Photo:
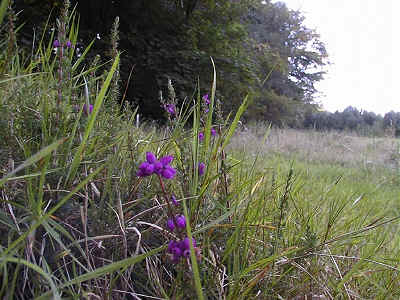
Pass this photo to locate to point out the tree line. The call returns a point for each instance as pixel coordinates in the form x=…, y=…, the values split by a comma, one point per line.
x=260, y=48
x=352, y=119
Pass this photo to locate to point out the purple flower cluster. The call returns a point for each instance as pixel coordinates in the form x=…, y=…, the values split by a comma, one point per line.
x=179, y=249
x=202, y=168
x=206, y=103
x=57, y=44
x=170, y=108
x=213, y=133
x=206, y=100
x=86, y=110
x=180, y=222
x=173, y=200
x=160, y=167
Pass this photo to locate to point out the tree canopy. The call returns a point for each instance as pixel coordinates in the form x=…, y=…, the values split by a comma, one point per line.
x=259, y=47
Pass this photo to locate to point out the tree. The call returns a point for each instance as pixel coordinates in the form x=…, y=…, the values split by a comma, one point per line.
x=293, y=52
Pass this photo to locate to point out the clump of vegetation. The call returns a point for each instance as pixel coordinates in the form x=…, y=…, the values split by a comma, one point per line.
x=94, y=207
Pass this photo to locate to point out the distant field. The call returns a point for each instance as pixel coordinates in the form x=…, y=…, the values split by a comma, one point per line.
x=328, y=147
x=342, y=184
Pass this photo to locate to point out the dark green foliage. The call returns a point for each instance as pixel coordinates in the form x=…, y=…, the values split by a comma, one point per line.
x=364, y=122
x=175, y=39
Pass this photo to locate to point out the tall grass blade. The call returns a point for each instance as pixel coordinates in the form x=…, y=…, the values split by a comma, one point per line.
x=235, y=122
x=3, y=9
x=99, y=100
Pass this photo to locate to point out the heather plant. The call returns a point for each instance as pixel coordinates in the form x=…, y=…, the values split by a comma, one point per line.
x=94, y=207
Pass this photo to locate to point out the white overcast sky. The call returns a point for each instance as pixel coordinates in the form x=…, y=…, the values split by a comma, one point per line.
x=363, y=42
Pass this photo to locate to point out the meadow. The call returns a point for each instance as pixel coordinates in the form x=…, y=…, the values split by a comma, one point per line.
x=96, y=206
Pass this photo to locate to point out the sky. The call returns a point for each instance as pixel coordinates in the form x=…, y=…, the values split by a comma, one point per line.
x=363, y=42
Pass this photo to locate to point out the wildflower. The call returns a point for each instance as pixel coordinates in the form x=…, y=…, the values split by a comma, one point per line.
x=163, y=168
x=56, y=44
x=170, y=108
x=145, y=169
x=150, y=157
x=201, y=136
x=172, y=244
x=202, y=167
x=182, y=249
x=152, y=165
x=180, y=221
x=213, y=132
x=185, y=246
x=170, y=224
x=173, y=200
x=206, y=100
x=69, y=45
x=88, y=111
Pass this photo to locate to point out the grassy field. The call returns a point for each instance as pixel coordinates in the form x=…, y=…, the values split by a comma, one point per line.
x=95, y=207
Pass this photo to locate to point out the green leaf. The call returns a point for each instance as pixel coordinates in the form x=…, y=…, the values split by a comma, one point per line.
x=3, y=9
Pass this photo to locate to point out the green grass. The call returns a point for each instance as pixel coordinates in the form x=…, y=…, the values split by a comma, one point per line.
x=277, y=214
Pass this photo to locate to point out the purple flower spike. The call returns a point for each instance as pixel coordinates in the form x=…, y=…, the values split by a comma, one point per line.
x=170, y=224
x=180, y=221
x=213, y=132
x=173, y=200
x=150, y=157
x=145, y=169
x=56, y=44
x=202, y=167
x=68, y=44
x=201, y=136
x=206, y=100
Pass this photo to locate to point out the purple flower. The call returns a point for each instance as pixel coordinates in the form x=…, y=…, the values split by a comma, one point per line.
x=152, y=165
x=166, y=160
x=170, y=108
x=180, y=221
x=173, y=200
x=185, y=243
x=68, y=44
x=170, y=224
x=181, y=249
x=201, y=136
x=168, y=172
x=88, y=111
x=171, y=245
x=176, y=254
x=145, y=169
x=185, y=246
x=213, y=132
x=56, y=44
x=206, y=100
x=150, y=157
x=202, y=167
x=163, y=168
